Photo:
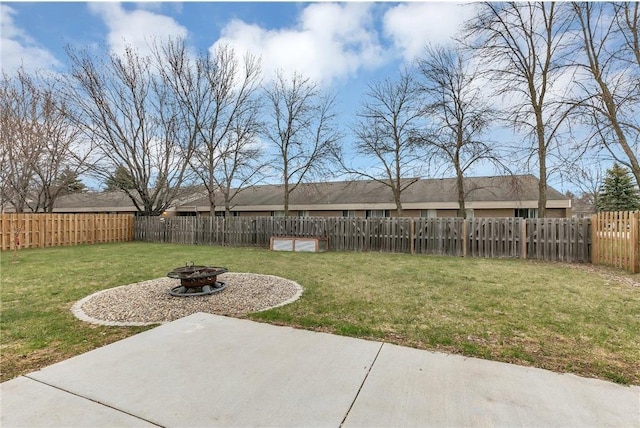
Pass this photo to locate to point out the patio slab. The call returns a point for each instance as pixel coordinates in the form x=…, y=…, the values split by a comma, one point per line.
x=29, y=403
x=208, y=370
x=205, y=370
x=413, y=388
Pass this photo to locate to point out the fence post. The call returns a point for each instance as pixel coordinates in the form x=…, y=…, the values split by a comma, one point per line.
x=412, y=235
x=595, y=227
x=523, y=238
x=465, y=235
x=634, y=241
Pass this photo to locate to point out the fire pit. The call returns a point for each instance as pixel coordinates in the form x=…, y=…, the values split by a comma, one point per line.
x=197, y=280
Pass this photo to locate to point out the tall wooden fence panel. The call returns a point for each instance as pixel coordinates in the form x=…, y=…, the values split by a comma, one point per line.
x=51, y=230
x=616, y=239
x=544, y=239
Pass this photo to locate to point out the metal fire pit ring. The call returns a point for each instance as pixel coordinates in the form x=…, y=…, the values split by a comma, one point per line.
x=197, y=280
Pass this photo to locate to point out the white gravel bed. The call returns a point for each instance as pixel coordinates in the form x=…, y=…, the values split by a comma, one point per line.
x=149, y=302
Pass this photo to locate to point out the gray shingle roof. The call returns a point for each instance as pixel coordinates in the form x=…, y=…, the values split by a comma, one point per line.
x=114, y=200
x=499, y=188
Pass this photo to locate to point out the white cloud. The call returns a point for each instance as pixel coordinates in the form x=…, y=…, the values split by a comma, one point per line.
x=413, y=25
x=137, y=28
x=18, y=48
x=329, y=41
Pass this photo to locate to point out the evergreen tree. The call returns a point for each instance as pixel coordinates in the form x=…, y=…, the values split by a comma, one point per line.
x=69, y=182
x=618, y=192
x=121, y=179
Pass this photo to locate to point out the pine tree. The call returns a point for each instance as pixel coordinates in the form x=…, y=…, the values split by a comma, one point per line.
x=120, y=180
x=69, y=182
x=618, y=192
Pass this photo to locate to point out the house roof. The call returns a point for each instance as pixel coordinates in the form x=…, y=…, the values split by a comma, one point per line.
x=115, y=200
x=419, y=193
x=482, y=192
x=94, y=201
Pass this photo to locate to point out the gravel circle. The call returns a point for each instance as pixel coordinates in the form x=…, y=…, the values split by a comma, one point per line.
x=149, y=302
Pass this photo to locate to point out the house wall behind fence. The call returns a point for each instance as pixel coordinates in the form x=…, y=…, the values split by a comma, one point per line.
x=561, y=239
x=51, y=230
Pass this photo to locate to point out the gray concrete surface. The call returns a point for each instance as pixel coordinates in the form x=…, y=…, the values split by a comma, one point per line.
x=28, y=403
x=207, y=370
x=424, y=388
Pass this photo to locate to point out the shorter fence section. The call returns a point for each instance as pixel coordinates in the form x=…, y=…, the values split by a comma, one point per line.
x=616, y=240
x=557, y=239
x=444, y=236
x=51, y=230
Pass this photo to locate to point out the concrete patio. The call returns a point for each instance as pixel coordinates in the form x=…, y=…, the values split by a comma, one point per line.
x=208, y=370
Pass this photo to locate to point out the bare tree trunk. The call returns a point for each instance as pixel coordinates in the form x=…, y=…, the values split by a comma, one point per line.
x=542, y=161
x=286, y=199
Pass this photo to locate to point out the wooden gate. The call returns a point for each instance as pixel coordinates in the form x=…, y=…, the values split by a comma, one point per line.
x=616, y=239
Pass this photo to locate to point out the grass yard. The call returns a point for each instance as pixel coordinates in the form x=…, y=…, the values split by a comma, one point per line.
x=555, y=316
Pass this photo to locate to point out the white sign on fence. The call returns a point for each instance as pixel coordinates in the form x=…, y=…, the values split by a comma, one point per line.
x=307, y=245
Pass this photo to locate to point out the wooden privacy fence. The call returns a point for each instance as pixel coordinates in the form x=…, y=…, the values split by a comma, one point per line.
x=616, y=239
x=50, y=230
x=545, y=239
x=555, y=239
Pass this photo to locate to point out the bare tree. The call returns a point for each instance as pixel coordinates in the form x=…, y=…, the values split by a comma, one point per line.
x=587, y=176
x=19, y=143
x=63, y=157
x=522, y=49
x=610, y=103
x=458, y=112
x=301, y=127
x=217, y=95
x=388, y=121
x=240, y=163
x=134, y=122
x=38, y=142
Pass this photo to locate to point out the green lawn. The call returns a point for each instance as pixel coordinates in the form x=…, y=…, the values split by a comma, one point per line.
x=546, y=315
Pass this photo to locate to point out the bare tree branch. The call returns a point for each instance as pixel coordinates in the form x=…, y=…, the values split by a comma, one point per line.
x=217, y=95
x=132, y=118
x=458, y=113
x=522, y=47
x=610, y=103
x=38, y=141
x=388, y=120
x=301, y=128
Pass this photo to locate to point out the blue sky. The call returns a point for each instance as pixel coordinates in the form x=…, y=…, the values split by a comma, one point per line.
x=357, y=30
x=342, y=46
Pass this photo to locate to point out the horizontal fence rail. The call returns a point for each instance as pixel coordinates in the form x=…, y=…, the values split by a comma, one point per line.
x=558, y=239
x=51, y=230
